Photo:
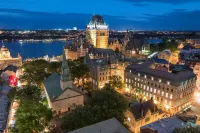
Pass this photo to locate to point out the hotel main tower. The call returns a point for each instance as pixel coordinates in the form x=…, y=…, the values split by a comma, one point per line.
x=97, y=32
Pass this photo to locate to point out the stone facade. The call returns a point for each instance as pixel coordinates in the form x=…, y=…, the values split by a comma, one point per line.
x=172, y=92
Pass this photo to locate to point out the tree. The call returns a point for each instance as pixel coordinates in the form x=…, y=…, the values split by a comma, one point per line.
x=32, y=115
x=54, y=67
x=187, y=130
x=116, y=82
x=105, y=104
x=34, y=72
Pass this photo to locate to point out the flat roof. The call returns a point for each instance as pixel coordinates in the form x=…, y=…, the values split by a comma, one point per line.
x=108, y=126
x=166, y=125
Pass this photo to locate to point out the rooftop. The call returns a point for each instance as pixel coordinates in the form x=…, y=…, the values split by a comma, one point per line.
x=166, y=125
x=4, y=102
x=108, y=126
x=175, y=79
x=53, y=88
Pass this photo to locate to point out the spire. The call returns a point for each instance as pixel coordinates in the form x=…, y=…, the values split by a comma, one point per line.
x=18, y=55
x=86, y=58
x=66, y=76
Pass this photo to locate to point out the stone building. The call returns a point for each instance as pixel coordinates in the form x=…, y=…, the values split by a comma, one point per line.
x=172, y=88
x=97, y=32
x=60, y=91
x=135, y=47
x=140, y=114
x=76, y=50
x=6, y=59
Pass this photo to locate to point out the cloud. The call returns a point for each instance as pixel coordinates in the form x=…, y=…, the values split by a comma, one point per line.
x=178, y=19
x=179, y=10
x=161, y=1
x=140, y=5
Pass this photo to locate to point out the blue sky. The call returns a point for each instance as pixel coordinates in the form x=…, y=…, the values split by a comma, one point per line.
x=119, y=14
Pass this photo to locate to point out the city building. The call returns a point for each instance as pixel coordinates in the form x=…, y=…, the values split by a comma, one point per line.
x=97, y=32
x=135, y=47
x=6, y=59
x=164, y=55
x=166, y=125
x=140, y=114
x=103, y=64
x=115, y=44
x=76, y=50
x=107, y=126
x=172, y=88
x=60, y=91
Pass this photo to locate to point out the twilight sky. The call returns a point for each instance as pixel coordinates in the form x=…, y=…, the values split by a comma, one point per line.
x=119, y=14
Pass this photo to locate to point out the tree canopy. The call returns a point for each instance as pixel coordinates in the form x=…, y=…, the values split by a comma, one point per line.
x=172, y=45
x=105, y=104
x=32, y=115
x=116, y=82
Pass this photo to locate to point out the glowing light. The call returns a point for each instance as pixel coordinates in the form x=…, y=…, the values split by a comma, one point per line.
x=167, y=107
x=155, y=101
x=197, y=97
x=129, y=119
x=12, y=81
x=127, y=90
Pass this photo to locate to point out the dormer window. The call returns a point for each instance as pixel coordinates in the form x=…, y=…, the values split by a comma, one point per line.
x=152, y=78
x=145, y=76
x=160, y=80
x=138, y=74
x=168, y=83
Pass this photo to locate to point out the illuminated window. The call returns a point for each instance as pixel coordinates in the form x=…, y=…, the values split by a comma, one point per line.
x=162, y=93
x=147, y=88
x=129, y=80
x=168, y=83
x=171, y=96
x=152, y=78
x=166, y=95
x=151, y=90
x=126, y=80
x=160, y=80
x=138, y=85
x=144, y=87
x=130, y=71
x=154, y=90
x=145, y=76
x=138, y=74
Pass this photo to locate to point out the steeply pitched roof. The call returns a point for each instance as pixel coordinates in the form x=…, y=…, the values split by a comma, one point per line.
x=108, y=126
x=137, y=109
x=53, y=88
x=52, y=85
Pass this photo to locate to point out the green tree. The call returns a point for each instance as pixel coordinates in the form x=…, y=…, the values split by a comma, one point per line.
x=32, y=115
x=116, y=82
x=187, y=130
x=54, y=67
x=34, y=72
x=105, y=104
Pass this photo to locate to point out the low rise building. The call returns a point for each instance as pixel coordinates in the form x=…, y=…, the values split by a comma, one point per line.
x=166, y=125
x=60, y=91
x=171, y=88
x=140, y=114
x=6, y=59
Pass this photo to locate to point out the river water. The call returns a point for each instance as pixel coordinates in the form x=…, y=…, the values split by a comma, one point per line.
x=35, y=49
x=40, y=49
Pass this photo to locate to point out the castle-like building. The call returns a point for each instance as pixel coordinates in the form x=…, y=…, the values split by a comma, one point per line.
x=6, y=59
x=97, y=32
